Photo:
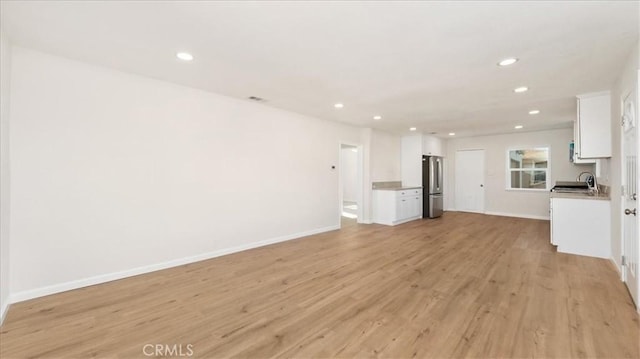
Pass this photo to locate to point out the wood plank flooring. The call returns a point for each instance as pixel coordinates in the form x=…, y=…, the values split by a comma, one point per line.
x=464, y=285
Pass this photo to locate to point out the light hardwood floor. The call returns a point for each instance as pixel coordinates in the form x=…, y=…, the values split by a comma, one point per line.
x=464, y=285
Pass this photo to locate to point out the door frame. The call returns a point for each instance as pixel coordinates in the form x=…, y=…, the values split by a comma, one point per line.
x=622, y=268
x=359, y=181
x=484, y=182
x=618, y=261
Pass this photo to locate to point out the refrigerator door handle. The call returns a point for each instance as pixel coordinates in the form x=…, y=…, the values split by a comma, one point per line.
x=438, y=175
x=432, y=180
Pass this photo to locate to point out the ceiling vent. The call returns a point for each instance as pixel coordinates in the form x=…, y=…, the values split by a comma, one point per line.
x=256, y=98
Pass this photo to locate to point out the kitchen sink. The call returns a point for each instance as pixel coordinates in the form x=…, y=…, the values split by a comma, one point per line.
x=575, y=191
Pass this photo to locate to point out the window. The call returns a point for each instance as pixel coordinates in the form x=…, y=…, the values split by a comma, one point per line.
x=528, y=168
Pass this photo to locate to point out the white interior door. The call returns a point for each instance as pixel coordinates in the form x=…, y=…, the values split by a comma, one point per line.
x=469, y=178
x=631, y=247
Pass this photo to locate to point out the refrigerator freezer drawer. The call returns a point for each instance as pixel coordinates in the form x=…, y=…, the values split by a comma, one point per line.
x=435, y=205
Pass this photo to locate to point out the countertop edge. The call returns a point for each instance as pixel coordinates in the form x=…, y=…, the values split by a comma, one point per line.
x=396, y=188
x=599, y=197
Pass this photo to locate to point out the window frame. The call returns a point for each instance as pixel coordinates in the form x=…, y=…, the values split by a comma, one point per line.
x=509, y=170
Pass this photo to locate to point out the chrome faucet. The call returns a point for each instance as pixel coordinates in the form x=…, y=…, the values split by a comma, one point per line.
x=595, y=183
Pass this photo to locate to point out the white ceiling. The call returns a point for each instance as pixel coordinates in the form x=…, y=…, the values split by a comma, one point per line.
x=431, y=65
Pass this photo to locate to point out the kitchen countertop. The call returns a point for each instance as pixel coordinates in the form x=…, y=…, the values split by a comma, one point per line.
x=599, y=196
x=395, y=188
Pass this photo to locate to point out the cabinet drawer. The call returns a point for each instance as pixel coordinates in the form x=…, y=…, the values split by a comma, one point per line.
x=409, y=192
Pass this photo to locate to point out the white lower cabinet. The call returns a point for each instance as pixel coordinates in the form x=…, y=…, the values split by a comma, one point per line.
x=393, y=207
x=581, y=226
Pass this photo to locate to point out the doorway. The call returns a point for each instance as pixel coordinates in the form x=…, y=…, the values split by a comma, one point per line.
x=350, y=184
x=469, y=181
x=631, y=247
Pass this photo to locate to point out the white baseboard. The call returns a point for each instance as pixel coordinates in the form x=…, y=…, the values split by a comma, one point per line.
x=103, y=278
x=618, y=268
x=395, y=223
x=503, y=214
x=4, y=310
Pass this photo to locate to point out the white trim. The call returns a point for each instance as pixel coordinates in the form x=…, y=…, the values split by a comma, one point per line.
x=509, y=170
x=103, y=278
x=467, y=211
x=618, y=268
x=594, y=94
x=4, y=310
x=622, y=269
x=503, y=214
x=527, y=189
x=401, y=221
x=623, y=272
x=359, y=178
x=529, y=216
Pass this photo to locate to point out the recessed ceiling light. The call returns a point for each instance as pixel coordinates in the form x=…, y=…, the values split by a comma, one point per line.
x=508, y=61
x=184, y=56
x=452, y=133
x=521, y=89
x=377, y=117
x=534, y=112
x=412, y=129
x=518, y=127
x=338, y=105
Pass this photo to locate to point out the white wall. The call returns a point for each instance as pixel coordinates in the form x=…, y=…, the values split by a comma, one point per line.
x=5, y=82
x=381, y=163
x=611, y=168
x=115, y=174
x=385, y=157
x=411, y=162
x=498, y=200
x=349, y=166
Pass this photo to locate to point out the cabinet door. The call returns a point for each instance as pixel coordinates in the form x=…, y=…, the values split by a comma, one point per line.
x=412, y=207
x=401, y=208
x=576, y=141
x=551, y=219
x=582, y=226
x=417, y=206
x=594, y=126
x=432, y=146
x=411, y=160
x=557, y=222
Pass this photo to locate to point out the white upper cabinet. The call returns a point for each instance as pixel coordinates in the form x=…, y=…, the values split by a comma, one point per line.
x=592, y=131
x=432, y=146
x=411, y=160
x=413, y=148
x=576, y=146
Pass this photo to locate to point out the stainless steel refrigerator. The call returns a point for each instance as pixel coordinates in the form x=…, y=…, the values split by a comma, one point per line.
x=432, y=185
